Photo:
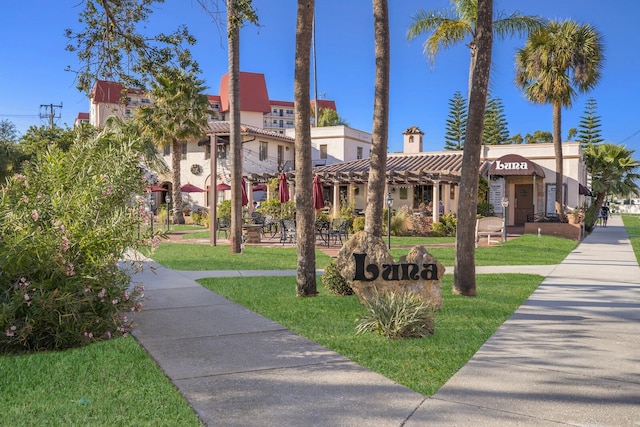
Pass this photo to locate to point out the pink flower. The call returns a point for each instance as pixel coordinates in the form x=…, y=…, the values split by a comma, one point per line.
x=70, y=270
x=102, y=293
x=34, y=215
x=11, y=331
x=114, y=301
x=65, y=244
x=24, y=198
x=27, y=297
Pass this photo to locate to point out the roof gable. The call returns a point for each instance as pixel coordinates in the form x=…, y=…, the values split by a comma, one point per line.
x=253, y=93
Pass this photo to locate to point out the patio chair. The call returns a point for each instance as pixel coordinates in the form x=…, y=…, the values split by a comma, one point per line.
x=288, y=229
x=339, y=229
x=223, y=224
x=322, y=231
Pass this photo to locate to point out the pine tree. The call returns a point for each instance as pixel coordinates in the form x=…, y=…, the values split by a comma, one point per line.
x=456, y=128
x=495, y=129
x=589, y=127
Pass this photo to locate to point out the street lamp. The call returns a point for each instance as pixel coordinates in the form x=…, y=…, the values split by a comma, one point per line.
x=389, y=201
x=505, y=205
x=167, y=199
x=151, y=203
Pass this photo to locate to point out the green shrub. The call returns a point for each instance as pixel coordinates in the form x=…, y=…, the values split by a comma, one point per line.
x=223, y=210
x=278, y=210
x=485, y=209
x=447, y=226
x=398, y=315
x=334, y=282
x=358, y=224
x=65, y=223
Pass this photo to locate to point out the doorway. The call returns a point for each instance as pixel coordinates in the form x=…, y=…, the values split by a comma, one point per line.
x=523, y=203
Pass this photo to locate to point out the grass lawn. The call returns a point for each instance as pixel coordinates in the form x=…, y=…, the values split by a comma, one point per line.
x=632, y=224
x=423, y=365
x=110, y=383
x=528, y=249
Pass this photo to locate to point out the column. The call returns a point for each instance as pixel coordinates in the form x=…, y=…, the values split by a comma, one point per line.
x=435, y=196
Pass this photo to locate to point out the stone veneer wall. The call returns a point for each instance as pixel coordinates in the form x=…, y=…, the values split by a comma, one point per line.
x=570, y=231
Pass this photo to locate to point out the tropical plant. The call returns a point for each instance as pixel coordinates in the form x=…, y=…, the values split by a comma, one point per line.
x=558, y=61
x=456, y=124
x=471, y=21
x=459, y=24
x=380, y=128
x=397, y=315
x=613, y=171
x=330, y=117
x=10, y=155
x=589, y=127
x=66, y=222
x=179, y=113
x=538, y=137
x=334, y=282
x=305, y=212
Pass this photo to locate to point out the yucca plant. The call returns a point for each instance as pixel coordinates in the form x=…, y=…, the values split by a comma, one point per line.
x=398, y=315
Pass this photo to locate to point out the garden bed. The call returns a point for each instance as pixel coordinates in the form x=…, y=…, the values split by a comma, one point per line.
x=559, y=229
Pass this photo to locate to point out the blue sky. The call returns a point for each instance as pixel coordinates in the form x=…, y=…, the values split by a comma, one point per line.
x=34, y=60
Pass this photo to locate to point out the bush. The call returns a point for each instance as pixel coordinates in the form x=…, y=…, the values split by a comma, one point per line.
x=223, y=210
x=334, y=282
x=66, y=222
x=358, y=224
x=398, y=315
x=447, y=226
x=278, y=210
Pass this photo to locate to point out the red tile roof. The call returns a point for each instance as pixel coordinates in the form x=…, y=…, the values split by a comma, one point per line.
x=107, y=92
x=324, y=103
x=83, y=116
x=253, y=93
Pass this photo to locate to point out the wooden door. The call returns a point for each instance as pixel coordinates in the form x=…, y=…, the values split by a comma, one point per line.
x=523, y=203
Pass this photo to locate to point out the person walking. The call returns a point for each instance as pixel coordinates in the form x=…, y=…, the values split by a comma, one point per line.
x=604, y=214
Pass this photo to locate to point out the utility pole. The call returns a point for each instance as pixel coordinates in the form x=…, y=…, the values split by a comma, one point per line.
x=48, y=111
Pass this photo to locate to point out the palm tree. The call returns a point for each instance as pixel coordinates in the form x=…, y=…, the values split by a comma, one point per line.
x=464, y=280
x=179, y=113
x=613, y=171
x=557, y=62
x=380, y=129
x=450, y=27
x=306, y=276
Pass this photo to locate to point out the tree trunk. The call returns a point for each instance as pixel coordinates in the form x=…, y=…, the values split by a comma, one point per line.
x=464, y=282
x=305, y=215
x=557, y=145
x=235, y=143
x=380, y=129
x=176, y=157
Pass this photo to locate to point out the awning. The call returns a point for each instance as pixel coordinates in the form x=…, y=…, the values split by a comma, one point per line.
x=514, y=164
x=584, y=191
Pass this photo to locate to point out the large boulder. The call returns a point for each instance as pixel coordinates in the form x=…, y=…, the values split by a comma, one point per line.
x=365, y=263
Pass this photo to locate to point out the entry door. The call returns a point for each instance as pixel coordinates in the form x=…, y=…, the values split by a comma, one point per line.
x=523, y=203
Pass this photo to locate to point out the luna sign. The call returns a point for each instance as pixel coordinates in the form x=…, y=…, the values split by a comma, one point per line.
x=511, y=165
x=393, y=272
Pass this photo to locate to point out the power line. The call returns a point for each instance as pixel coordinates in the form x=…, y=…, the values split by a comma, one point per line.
x=50, y=112
x=629, y=137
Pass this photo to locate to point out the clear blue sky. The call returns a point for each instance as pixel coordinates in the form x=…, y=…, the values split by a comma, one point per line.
x=34, y=59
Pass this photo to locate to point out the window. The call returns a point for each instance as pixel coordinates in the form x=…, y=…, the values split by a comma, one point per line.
x=263, y=151
x=323, y=151
x=222, y=152
x=403, y=193
x=145, y=101
x=275, y=123
x=207, y=152
x=280, y=154
x=290, y=112
x=358, y=153
x=167, y=150
x=289, y=123
x=281, y=123
x=281, y=112
x=127, y=112
x=183, y=150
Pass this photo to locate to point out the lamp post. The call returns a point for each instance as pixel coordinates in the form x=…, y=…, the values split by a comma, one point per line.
x=167, y=199
x=151, y=203
x=505, y=205
x=389, y=201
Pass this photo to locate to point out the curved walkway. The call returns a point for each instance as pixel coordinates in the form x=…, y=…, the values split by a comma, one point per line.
x=570, y=355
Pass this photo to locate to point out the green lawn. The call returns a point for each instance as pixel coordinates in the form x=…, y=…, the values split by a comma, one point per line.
x=424, y=365
x=632, y=224
x=110, y=383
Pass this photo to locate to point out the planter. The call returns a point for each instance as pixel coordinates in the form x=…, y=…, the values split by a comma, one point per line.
x=569, y=231
x=573, y=218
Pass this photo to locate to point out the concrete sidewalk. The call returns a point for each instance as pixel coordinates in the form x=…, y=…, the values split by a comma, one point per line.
x=569, y=356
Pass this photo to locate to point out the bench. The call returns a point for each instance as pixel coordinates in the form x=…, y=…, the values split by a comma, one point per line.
x=489, y=226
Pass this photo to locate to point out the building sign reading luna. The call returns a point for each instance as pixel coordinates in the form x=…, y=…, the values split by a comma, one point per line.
x=393, y=272
x=499, y=165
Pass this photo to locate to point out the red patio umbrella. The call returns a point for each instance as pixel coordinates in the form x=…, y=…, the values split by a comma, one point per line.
x=318, y=197
x=245, y=199
x=222, y=187
x=283, y=189
x=154, y=188
x=259, y=187
x=190, y=188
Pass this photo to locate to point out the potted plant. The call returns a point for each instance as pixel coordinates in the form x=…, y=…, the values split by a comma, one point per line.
x=575, y=216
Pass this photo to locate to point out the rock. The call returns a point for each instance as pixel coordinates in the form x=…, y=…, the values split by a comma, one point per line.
x=365, y=263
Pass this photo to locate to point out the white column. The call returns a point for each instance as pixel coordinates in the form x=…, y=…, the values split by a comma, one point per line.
x=435, y=197
x=336, y=200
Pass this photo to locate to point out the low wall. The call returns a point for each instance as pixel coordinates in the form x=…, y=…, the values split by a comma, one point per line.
x=570, y=231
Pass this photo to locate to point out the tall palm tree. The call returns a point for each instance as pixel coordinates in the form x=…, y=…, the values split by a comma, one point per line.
x=306, y=276
x=459, y=24
x=380, y=129
x=464, y=280
x=557, y=62
x=179, y=113
x=613, y=171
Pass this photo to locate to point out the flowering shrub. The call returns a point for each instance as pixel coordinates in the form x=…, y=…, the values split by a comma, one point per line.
x=65, y=223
